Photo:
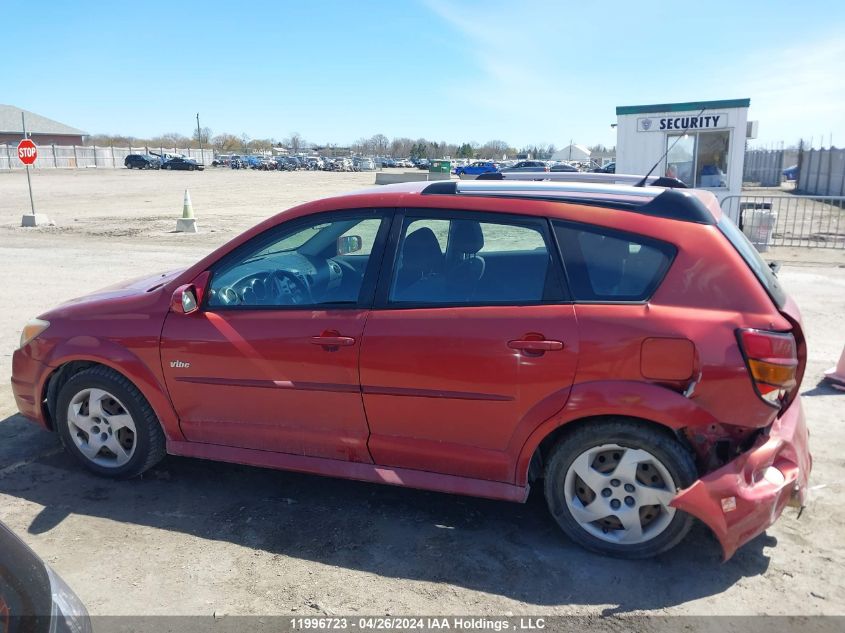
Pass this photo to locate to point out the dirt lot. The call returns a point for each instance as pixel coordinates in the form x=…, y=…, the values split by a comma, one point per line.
x=194, y=537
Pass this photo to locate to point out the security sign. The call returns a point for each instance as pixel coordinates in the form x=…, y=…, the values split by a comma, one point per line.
x=27, y=151
x=682, y=122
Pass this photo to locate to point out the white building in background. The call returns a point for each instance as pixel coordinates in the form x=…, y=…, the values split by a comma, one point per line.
x=705, y=142
x=572, y=152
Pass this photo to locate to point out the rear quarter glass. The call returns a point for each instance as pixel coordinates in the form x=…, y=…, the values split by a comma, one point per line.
x=753, y=260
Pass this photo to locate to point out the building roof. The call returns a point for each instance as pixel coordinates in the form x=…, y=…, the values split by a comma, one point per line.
x=683, y=107
x=10, y=123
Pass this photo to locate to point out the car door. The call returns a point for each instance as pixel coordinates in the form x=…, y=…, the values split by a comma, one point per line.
x=471, y=343
x=270, y=361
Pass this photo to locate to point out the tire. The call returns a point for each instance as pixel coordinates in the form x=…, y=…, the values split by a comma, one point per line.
x=123, y=418
x=625, y=465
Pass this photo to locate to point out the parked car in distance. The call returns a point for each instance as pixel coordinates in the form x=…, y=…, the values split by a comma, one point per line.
x=423, y=163
x=142, y=161
x=180, y=162
x=527, y=165
x=563, y=166
x=610, y=168
x=477, y=167
x=33, y=597
x=498, y=337
x=791, y=173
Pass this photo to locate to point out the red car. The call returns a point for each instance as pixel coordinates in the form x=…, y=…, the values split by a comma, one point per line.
x=625, y=348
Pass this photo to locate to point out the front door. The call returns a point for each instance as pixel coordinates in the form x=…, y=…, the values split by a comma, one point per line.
x=470, y=344
x=270, y=361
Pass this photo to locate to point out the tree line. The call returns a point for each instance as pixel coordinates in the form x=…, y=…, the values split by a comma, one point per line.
x=376, y=145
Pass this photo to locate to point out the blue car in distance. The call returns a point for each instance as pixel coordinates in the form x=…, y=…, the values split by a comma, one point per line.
x=477, y=168
x=791, y=173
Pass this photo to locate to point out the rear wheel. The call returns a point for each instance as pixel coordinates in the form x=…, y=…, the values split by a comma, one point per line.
x=609, y=485
x=108, y=425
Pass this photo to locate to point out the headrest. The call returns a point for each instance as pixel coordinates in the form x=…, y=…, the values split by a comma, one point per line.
x=466, y=236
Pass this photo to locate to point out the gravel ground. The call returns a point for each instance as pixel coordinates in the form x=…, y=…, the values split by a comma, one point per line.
x=194, y=537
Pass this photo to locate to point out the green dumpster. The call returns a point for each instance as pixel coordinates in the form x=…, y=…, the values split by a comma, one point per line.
x=440, y=167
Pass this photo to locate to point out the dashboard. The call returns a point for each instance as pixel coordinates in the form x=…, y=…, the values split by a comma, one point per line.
x=288, y=278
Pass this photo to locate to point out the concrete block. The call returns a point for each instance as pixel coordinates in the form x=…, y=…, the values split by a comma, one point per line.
x=35, y=219
x=186, y=225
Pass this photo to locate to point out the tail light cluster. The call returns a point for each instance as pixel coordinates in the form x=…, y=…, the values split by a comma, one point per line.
x=772, y=360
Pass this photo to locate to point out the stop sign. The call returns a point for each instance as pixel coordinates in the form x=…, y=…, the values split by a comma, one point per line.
x=27, y=151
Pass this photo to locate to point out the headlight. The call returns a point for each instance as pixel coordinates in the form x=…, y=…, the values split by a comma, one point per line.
x=33, y=329
x=68, y=614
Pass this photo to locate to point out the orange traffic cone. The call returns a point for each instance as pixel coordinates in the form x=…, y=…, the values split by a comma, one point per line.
x=836, y=375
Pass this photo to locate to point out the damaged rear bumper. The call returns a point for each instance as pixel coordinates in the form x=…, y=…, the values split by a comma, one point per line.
x=745, y=496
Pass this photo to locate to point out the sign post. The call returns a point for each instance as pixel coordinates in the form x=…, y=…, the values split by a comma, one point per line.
x=27, y=153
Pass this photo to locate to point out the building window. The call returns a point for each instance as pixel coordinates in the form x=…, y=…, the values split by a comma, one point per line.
x=699, y=159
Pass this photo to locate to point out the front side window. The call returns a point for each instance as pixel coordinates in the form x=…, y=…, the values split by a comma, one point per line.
x=699, y=159
x=321, y=263
x=461, y=260
x=605, y=265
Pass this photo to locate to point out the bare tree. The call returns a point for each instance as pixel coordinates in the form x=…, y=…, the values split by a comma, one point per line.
x=202, y=136
x=226, y=142
x=295, y=142
x=379, y=143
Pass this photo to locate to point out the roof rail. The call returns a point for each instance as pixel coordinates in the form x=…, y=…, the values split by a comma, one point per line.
x=568, y=176
x=671, y=203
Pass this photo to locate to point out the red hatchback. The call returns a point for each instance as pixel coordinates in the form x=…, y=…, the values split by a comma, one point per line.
x=624, y=347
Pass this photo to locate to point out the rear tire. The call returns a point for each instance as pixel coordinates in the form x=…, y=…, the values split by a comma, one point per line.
x=108, y=425
x=608, y=485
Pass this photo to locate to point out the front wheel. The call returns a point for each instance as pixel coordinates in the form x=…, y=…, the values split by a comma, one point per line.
x=108, y=425
x=608, y=484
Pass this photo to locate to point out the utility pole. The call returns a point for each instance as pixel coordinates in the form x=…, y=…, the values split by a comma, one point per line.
x=199, y=134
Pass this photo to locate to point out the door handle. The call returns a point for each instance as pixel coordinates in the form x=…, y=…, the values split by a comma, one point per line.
x=533, y=345
x=332, y=339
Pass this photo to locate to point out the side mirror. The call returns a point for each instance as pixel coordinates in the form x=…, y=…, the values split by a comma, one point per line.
x=184, y=300
x=347, y=244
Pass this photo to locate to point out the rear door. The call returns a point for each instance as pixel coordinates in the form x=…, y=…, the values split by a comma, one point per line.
x=471, y=343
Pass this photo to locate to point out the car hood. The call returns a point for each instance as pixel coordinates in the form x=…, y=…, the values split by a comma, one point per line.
x=137, y=287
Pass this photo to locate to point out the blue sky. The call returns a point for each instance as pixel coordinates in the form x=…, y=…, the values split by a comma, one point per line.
x=454, y=70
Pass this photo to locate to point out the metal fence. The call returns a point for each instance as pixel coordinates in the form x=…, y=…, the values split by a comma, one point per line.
x=822, y=172
x=764, y=167
x=790, y=220
x=85, y=156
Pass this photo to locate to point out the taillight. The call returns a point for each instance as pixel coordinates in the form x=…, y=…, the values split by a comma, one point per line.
x=772, y=360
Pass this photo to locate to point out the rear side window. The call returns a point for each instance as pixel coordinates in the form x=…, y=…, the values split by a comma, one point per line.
x=607, y=265
x=459, y=260
x=753, y=259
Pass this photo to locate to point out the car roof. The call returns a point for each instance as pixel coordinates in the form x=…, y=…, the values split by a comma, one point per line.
x=689, y=205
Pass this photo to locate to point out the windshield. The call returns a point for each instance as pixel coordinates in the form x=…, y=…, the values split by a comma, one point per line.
x=755, y=262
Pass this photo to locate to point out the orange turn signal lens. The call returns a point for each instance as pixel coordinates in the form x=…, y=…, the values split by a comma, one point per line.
x=775, y=374
x=33, y=329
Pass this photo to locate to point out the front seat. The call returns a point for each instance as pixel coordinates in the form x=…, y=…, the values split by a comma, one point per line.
x=422, y=260
x=466, y=265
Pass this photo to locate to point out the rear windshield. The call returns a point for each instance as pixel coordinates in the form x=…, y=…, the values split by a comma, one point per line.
x=755, y=262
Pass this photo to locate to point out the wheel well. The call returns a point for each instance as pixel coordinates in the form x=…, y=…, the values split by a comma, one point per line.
x=55, y=383
x=537, y=464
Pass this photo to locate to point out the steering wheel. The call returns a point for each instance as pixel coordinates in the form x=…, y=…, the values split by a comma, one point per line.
x=349, y=268
x=287, y=288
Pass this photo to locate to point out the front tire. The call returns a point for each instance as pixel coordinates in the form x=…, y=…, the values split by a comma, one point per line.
x=608, y=485
x=108, y=425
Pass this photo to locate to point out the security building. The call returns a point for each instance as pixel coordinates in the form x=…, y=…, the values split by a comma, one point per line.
x=703, y=142
x=39, y=128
